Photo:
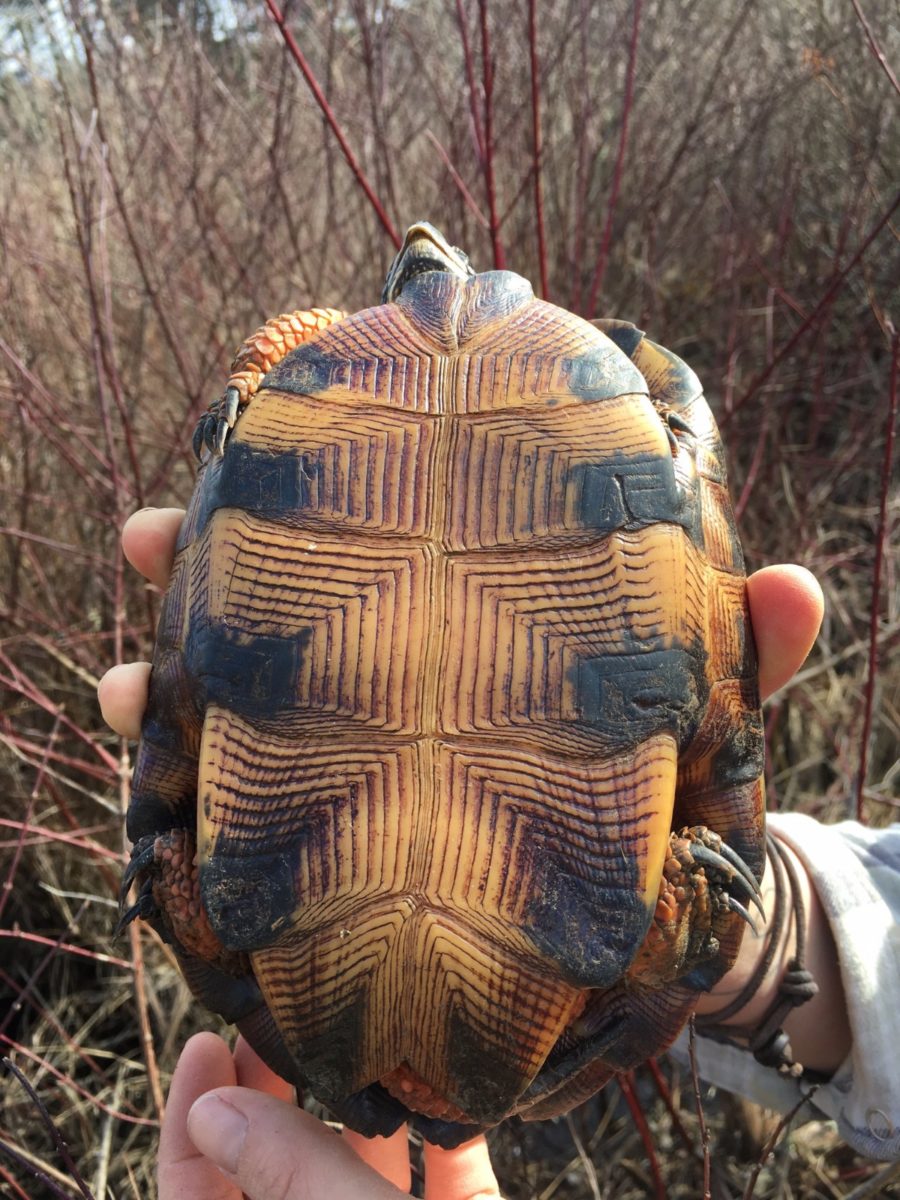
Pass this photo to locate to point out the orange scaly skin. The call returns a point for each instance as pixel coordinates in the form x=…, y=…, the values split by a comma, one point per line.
x=682, y=922
x=408, y=1086
x=176, y=890
x=257, y=355
x=265, y=348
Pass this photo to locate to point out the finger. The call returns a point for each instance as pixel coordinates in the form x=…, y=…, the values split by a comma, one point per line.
x=252, y=1072
x=183, y=1171
x=122, y=693
x=461, y=1174
x=388, y=1156
x=148, y=539
x=786, y=606
x=275, y=1151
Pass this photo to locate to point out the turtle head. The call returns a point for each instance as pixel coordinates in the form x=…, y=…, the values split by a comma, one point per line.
x=424, y=249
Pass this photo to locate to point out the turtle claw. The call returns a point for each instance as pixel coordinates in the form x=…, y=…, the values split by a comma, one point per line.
x=206, y=433
x=144, y=907
x=232, y=401
x=197, y=440
x=703, y=883
x=142, y=857
x=733, y=867
x=673, y=421
x=741, y=867
x=742, y=912
x=216, y=423
x=209, y=432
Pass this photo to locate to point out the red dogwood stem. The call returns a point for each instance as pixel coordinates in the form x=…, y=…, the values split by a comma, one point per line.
x=328, y=112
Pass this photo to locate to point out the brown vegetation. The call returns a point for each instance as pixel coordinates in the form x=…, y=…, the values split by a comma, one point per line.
x=721, y=173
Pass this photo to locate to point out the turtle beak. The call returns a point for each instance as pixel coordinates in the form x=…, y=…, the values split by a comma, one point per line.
x=424, y=249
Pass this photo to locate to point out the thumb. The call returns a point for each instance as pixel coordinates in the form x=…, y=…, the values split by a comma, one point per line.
x=786, y=608
x=275, y=1151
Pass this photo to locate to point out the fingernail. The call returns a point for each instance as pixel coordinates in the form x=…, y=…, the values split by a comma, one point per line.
x=218, y=1130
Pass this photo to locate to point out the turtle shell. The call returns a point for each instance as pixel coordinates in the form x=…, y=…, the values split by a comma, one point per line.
x=456, y=635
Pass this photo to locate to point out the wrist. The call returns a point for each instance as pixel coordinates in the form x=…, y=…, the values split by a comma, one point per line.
x=765, y=941
x=818, y=1030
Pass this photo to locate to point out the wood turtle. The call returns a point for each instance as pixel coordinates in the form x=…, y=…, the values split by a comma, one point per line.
x=449, y=793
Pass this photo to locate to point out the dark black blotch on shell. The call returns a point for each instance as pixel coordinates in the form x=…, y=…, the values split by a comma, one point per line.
x=154, y=814
x=373, y=1112
x=247, y=673
x=641, y=690
x=568, y=919
x=625, y=335
x=234, y=998
x=480, y=1094
x=623, y=491
x=258, y=482
x=308, y=370
x=330, y=1059
x=248, y=899
x=740, y=758
x=446, y=1134
x=603, y=373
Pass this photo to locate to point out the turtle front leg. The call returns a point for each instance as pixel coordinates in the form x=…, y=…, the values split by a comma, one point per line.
x=705, y=886
x=672, y=383
x=261, y=351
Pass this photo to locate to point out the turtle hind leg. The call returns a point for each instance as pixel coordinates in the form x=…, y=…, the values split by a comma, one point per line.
x=262, y=351
x=166, y=865
x=705, y=887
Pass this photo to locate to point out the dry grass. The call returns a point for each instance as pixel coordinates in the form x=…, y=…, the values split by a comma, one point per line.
x=722, y=171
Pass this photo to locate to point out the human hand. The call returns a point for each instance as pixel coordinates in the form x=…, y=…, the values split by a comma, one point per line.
x=285, y=1153
x=220, y=1140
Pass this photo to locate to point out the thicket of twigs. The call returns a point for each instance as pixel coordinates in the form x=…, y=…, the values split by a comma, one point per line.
x=721, y=173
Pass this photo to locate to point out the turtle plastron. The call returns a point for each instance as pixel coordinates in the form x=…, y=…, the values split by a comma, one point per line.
x=457, y=632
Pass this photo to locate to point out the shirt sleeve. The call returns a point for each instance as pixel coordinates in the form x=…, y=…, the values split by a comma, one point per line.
x=856, y=873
